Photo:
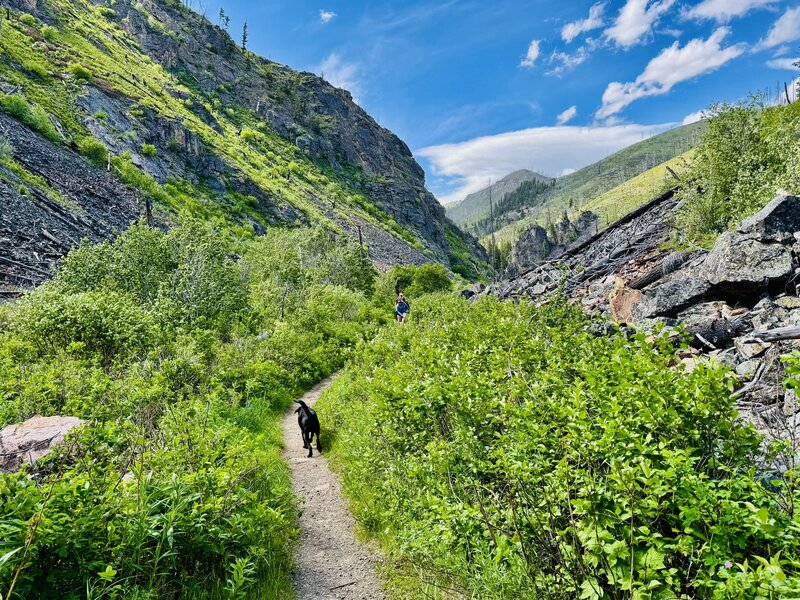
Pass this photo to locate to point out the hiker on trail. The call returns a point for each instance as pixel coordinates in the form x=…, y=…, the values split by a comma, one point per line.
x=401, y=309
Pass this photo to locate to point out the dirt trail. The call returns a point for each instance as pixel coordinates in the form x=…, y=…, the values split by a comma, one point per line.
x=330, y=564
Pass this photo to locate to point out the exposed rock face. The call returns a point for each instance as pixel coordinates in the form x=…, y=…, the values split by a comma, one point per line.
x=31, y=440
x=739, y=263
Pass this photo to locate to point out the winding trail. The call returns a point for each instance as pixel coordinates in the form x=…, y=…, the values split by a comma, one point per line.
x=330, y=563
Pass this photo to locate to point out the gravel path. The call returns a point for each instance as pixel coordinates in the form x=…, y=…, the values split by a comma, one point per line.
x=330, y=564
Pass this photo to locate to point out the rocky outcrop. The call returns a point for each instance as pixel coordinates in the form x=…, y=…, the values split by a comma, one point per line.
x=739, y=303
x=33, y=439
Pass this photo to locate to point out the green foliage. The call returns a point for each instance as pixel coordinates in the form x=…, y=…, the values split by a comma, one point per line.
x=6, y=149
x=176, y=487
x=413, y=281
x=748, y=152
x=49, y=33
x=149, y=150
x=94, y=150
x=28, y=19
x=79, y=72
x=503, y=451
x=34, y=117
x=106, y=12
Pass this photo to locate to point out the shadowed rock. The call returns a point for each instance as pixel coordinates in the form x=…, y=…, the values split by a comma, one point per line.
x=33, y=439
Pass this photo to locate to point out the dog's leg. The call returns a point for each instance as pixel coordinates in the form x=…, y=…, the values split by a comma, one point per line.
x=319, y=444
x=305, y=441
x=309, y=437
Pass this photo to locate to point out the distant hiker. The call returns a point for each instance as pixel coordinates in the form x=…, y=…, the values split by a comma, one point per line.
x=401, y=309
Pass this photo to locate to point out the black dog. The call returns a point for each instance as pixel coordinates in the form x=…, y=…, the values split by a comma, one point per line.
x=309, y=426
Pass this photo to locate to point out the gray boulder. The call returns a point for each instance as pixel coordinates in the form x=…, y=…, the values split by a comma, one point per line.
x=33, y=439
x=737, y=261
x=667, y=298
x=776, y=222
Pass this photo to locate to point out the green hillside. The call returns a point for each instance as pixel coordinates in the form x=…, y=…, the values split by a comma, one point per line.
x=571, y=192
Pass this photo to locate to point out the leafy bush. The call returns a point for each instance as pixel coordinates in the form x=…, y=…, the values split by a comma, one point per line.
x=49, y=33
x=249, y=135
x=106, y=12
x=28, y=19
x=149, y=150
x=176, y=487
x=504, y=451
x=94, y=150
x=413, y=281
x=747, y=153
x=34, y=117
x=79, y=72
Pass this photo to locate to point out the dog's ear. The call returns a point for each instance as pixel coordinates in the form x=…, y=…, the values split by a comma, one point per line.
x=297, y=411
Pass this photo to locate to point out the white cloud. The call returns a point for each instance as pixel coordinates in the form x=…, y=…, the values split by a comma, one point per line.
x=340, y=74
x=725, y=10
x=531, y=56
x=670, y=67
x=326, y=16
x=548, y=150
x=785, y=29
x=566, y=62
x=635, y=21
x=694, y=117
x=783, y=64
x=567, y=116
x=595, y=20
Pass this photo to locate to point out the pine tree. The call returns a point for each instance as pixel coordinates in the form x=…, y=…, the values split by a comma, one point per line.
x=244, y=36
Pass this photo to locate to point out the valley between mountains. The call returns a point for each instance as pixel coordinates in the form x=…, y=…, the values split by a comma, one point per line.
x=593, y=396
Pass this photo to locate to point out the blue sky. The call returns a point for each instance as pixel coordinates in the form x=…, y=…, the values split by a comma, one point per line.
x=480, y=88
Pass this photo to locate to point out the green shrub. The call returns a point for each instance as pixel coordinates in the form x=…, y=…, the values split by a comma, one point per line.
x=504, y=451
x=101, y=116
x=149, y=150
x=34, y=117
x=747, y=153
x=79, y=72
x=94, y=150
x=249, y=135
x=28, y=19
x=106, y=12
x=104, y=324
x=413, y=281
x=49, y=33
x=6, y=149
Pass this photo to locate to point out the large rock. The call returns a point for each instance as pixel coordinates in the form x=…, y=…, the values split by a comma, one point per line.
x=673, y=294
x=29, y=441
x=776, y=222
x=738, y=262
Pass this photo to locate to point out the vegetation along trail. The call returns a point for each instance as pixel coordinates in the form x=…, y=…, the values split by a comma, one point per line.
x=330, y=562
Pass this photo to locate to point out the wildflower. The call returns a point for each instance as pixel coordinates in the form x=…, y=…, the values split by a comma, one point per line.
x=728, y=564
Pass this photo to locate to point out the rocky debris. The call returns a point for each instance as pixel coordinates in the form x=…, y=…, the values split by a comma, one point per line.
x=33, y=439
x=38, y=226
x=472, y=291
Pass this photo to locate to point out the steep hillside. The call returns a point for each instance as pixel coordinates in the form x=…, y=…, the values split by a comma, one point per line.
x=572, y=191
x=478, y=203
x=167, y=110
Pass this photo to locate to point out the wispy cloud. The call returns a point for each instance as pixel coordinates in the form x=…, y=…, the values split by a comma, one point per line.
x=563, y=62
x=725, y=10
x=547, y=150
x=785, y=29
x=594, y=21
x=636, y=20
x=341, y=74
x=531, y=56
x=567, y=116
x=784, y=64
x=670, y=67
x=326, y=16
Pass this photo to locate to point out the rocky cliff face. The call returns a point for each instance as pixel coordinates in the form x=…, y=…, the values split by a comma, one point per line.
x=193, y=124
